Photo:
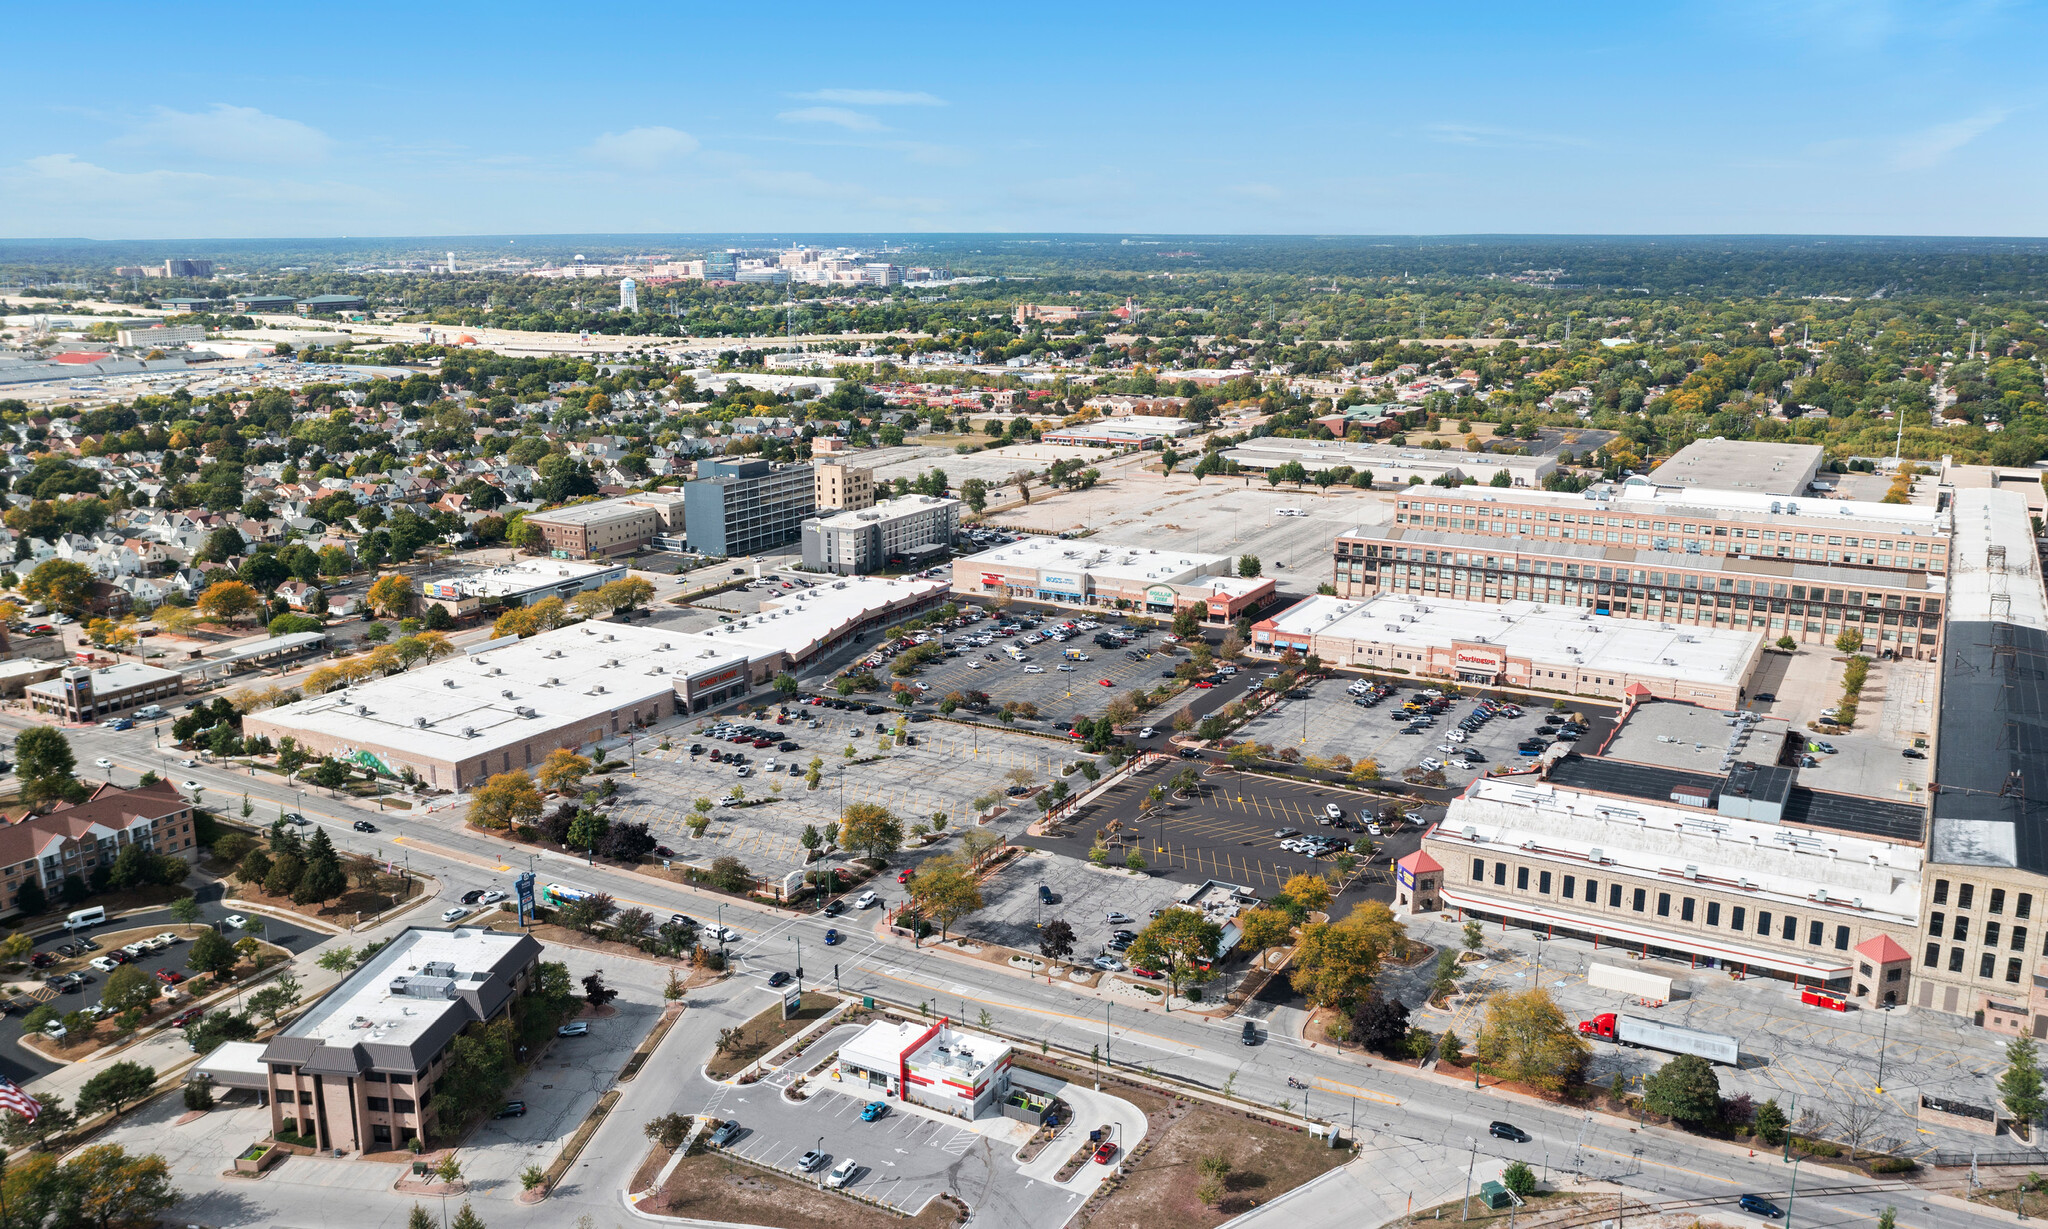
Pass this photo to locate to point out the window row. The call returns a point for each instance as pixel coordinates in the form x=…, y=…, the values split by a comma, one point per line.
x=1784, y=927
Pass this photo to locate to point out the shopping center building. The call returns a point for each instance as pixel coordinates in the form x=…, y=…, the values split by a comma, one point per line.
x=1091, y=572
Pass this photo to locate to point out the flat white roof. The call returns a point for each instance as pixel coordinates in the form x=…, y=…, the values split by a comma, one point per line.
x=1538, y=632
x=1135, y=426
x=1517, y=817
x=364, y=1009
x=1095, y=557
x=520, y=576
x=118, y=677
x=884, y=510
x=601, y=509
x=28, y=665
x=1269, y=451
x=272, y=644
x=1987, y=520
x=1639, y=496
x=880, y=1046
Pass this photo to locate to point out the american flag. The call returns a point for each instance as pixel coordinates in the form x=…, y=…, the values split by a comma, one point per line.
x=13, y=1098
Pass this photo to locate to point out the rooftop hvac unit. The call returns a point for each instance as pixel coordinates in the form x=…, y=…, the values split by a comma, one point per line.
x=1691, y=871
x=597, y=689
x=1599, y=856
x=450, y=683
x=420, y=722
x=1471, y=833
x=468, y=731
x=362, y=710
x=507, y=693
x=553, y=681
x=524, y=711
x=1821, y=895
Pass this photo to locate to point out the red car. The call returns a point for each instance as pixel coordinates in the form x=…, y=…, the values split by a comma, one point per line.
x=188, y=1017
x=1147, y=974
x=1105, y=682
x=1204, y=684
x=169, y=977
x=762, y=743
x=1105, y=1153
x=903, y=876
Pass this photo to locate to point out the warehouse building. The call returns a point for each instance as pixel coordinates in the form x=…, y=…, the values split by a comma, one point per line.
x=1805, y=568
x=1391, y=464
x=1706, y=884
x=357, y=1072
x=519, y=583
x=1752, y=466
x=505, y=706
x=1091, y=572
x=608, y=526
x=908, y=531
x=1519, y=644
x=737, y=508
x=1135, y=431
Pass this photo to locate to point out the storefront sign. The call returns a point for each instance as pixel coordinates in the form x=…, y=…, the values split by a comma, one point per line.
x=1159, y=595
x=991, y=579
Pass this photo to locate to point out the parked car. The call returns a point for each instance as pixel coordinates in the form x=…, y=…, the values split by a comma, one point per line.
x=1914, y=753
x=727, y=1132
x=1760, y=1206
x=234, y=921
x=873, y=1110
x=575, y=1028
x=491, y=897
x=455, y=914
x=1105, y=1152
x=810, y=1160
x=1108, y=964
x=513, y=1109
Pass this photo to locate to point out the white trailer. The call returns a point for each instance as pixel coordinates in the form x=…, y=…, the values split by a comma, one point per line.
x=1671, y=1038
x=1630, y=981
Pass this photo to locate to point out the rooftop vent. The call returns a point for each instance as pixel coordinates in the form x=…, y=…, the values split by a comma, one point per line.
x=450, y=683
x=507, y=693
x=420, y=722
x=523, y=711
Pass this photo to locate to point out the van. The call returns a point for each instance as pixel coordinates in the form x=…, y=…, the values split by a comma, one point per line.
x=148, y=711
x=85, y=917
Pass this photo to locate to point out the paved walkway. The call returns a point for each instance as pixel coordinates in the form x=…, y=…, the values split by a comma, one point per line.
x=1390, y=1178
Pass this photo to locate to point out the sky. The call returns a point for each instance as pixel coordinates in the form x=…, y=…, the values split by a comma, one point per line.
x=1739, y=117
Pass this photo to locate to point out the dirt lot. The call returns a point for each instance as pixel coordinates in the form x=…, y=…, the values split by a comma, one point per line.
x=766, y=1031
x=712, y=1187
x=1159, y=1190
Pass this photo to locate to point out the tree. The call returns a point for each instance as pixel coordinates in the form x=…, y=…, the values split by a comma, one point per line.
x=44, y=762
x=945, y=891
x=465, y=1216
x=1180, y=943
x=1248, y=566
x=277, y=998
x=390, y=595
x=323, y=879
x=1475, y=936
x=331, y=774
x=1262, y=928
x=2020, y=1087
x=975, y=492
x=1770, y=1122
x=596, y=993
x=228, y=600
x=668, y=1130
x=210, y=953
x=1519, y=1178
x=1850, y=641
x=562, y=771
x=1527, y=1038
x=108, y=1187
x=1380, y=1024
x=864, y=825
x=1311, y=892
x=508, y=798
x=60, y=583
x=338, y=960
x=1056, y=940
x=128, y=986
x=116, y=1088
x=1334, y=962
x=420, y=1218
x=1685, y=1090
x=54, y=1119
x=209, y=1031
x=588, y=913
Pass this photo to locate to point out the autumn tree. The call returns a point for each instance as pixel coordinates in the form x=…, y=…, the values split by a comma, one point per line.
x=1526, y=1038
x=864, y=825
x=1179, y=943
x=1262, y=928
x=945, y=891
x=1311, y=892
x=226, y=601
x=59, y=583
x=506, y=799
x=1334, y=962
x=390, y=596
x=562, y=771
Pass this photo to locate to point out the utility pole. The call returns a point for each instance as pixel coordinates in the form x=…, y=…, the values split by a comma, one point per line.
x=1471, y=1159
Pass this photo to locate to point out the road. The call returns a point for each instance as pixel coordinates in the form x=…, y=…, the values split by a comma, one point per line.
x=1207, y=1053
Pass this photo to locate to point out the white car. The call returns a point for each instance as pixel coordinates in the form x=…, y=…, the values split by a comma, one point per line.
x=188, y=763
x=974, y=665
x=234, y=921
x=1147, y=732
x=1036, y=669
x=105, y=964
x=164, y=940
x=1332, y=811
x=103, y=762
x=842, y=1173
x=1456, y=736
x=192, y=787
x=455, y=914
x=867, y=900
x=491, y=897
x=1066, y=669
x=1430, y=763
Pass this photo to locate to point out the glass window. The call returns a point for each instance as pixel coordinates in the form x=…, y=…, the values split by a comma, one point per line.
x=1713, y=913
x=1685, y=909
x=1841, y=938
x=1991, y=934
x=1642, y=898
x=1543, y=883
x=1935, y=921
x=1813, y=934
x=2012, y=971
x=1963, y=894
x=1663, y=904
x=1592, y=891
x=1763, y=923
x=2019, y=939
x=1962, y=934
x=1955, y=960
x=1571, y=886
x=1998, y=900
x=1933, y=955
x=2023, y=905
x=1738, y=917
x=1521, y=879
x=1479, y=871
x=1985, y=965
x=1500, y=874
x=1941, y=891
x=1614, y=896
x=1791, y=931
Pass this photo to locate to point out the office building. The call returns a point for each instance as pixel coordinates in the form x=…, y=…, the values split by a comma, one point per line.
x=1091, y=572
x=842, y=487
x=935, y=1065
x=906, y=532
x=279, y=304
x=720, y=266
x=1760, y=468
x=502, y=708
x=186, y=306
x=161, y=335
x=1519, y=644
x=188, y=268
x=1705, y=881
x=358, y=1071
x=608, y=526
x=76, y=839
x=1805, y=568
x=881, y=273
x=81, y=693
x=738, y=507
x=1982, y=953
x=332, y=305
x=629, y=295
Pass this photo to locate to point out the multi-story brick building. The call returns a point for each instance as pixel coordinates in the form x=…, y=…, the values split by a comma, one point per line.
x=608, y=526
x=78, y=839
x=1804, y=568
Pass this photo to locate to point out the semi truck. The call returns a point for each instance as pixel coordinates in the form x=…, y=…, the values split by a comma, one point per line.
x=1671, y=1038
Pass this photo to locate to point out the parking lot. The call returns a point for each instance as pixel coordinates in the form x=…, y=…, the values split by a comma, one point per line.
x=1230, y=830
x=1327, y=723
x=1083, y=896
x=949, y=767
x=1895, y=709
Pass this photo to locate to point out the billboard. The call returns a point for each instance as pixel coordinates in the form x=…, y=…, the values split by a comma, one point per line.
x=1405, y=876
x=523, y=887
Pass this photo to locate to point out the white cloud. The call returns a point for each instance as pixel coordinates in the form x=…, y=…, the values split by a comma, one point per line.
x=230, y=134
x=852, y=121
x=875, y=98
x=1920, y=150
x=642, y=149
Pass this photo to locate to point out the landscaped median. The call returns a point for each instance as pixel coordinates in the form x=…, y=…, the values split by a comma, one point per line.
x=741, y=1047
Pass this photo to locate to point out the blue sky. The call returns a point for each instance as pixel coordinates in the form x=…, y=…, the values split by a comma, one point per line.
x=1802, y=116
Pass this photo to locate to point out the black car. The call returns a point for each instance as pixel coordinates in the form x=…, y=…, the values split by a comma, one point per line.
x=1507, y=1131
x=778, y=978
x=1190, y=753
x=472, y=896
x=786, y=745
x=833, y=908
x=1767, y=697
x=1914, y=753
x=696, y=748
x=513, y=1109
x=1760, y=1206
x=364, y=825
x=1250, y=1035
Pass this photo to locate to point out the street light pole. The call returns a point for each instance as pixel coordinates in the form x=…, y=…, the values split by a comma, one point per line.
x=1884, y=1035
x=1471, y=1159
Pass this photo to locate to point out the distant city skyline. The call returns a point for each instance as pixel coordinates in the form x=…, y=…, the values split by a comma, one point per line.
x=1804, y=117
